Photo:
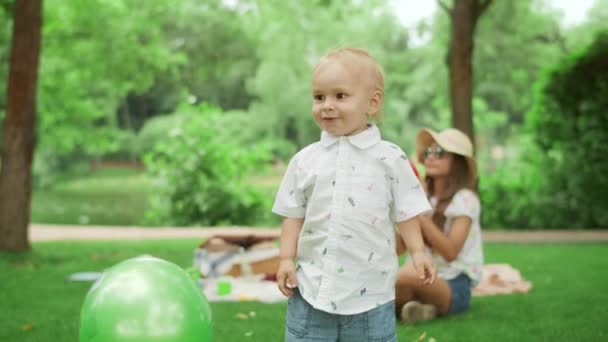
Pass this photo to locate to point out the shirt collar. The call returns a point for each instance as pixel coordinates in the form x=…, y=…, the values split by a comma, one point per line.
x=362, y=140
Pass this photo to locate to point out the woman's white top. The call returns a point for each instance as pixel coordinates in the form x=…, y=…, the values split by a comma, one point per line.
x=470, y=259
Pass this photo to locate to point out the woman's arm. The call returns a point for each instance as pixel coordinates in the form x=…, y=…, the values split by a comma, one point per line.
x=450, y=245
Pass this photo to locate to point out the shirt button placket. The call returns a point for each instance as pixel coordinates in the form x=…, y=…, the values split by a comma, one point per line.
x=336, y=220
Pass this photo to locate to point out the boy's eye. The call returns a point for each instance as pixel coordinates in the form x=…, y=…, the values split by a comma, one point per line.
x=318, y=97
x=341, y=96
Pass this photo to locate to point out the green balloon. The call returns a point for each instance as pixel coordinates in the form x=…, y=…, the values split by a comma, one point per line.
x=145, y=299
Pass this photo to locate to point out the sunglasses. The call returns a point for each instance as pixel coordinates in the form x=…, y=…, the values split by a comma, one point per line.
x=438, y=152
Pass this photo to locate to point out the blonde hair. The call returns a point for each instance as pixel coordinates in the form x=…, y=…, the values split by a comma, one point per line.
x=363, y=63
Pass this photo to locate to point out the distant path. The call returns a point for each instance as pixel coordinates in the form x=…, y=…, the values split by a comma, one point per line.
x=47, y=232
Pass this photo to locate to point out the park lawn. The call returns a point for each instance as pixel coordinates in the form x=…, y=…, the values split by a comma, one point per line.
x=115, y=197
x=567, y=303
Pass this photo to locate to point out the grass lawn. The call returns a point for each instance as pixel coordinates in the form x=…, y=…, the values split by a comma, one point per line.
x=104, y=197
x=568, y=301
x=115, y=197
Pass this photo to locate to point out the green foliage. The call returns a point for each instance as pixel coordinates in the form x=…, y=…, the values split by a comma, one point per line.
x=157, y=129
x=94, y=54
x=216, y=56
x=201, y=175
x=293, y=35
x=564, y=185
x=522, y=47
x=108, y=65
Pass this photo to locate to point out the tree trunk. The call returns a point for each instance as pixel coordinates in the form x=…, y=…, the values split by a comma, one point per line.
x=464, y=16
x=19, y=136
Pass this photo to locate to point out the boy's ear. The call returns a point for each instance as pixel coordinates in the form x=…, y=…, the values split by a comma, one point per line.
x=375, y=103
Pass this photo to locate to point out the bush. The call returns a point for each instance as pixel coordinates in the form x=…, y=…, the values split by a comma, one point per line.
x=52, y=164
x=200, y=174
x=157, y=129
x=560, y=181
x=122, y=148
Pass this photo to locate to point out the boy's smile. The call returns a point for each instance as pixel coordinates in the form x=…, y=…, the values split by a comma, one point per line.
x=341, y=100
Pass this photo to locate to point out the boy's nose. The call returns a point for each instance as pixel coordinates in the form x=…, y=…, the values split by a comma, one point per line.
x=328, y=105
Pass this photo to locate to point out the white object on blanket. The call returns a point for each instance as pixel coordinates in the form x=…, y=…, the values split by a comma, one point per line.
x=501, y=279
x=253, y=288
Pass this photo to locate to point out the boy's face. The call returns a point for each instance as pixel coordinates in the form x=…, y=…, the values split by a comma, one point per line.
x=342, y=100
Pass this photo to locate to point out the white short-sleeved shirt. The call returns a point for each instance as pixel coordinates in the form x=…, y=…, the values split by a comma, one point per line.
x=470, y=259
x=350, y=190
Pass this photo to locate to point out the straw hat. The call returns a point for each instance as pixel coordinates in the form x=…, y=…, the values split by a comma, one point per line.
x=451, y=140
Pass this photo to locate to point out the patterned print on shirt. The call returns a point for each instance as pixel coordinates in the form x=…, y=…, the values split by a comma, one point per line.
x=341, y=269
x=371, y=255
x=363, y=290
x=346, y=237
x=334, y=306
x=351, y=201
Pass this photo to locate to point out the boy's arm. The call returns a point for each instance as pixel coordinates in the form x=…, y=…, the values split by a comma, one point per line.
x=286, y=275
x=411, y=234
x=290, y=232
x=401, y=248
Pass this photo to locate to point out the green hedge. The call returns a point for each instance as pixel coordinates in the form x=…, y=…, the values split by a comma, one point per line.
x=560, y=179
x=199, y=174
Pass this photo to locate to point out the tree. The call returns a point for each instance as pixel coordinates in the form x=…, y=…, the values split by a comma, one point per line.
x=464, y=16
x=19, y=137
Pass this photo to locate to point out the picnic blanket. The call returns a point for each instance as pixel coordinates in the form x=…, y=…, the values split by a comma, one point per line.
x=242, y=267
x=497, y=279
x=501, y=279
x=233, y=289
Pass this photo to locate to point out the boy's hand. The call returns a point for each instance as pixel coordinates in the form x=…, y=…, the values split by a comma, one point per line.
x=286, y=277
x=424, y=267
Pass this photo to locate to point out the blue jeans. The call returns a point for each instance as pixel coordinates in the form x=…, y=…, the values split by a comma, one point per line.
x=305, y=323
x=461, y=293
